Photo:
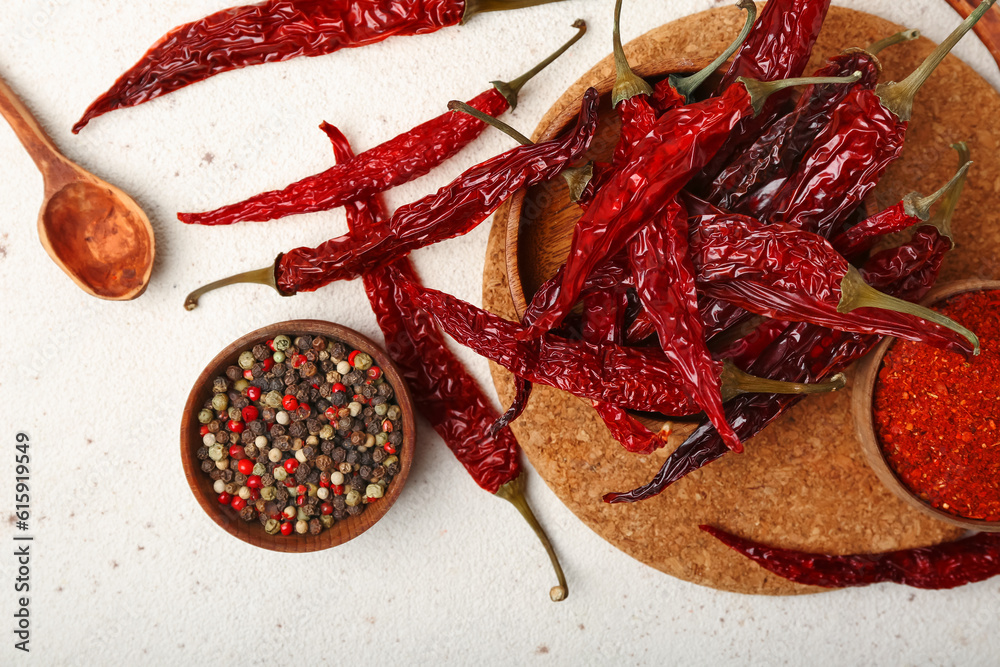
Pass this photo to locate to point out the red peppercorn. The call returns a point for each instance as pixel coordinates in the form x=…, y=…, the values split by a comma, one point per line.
x=338, y=489
x=324, y=479
x=331, y=413
x=387, y=425
x=326, y=508
x=291, y=465
x=203, y=430
x=300, y=500
x=248, y=375
x=289, y=402
x=245, y=466
x=235, y=426
x=250, y=413
x=236, y=452
x=268, y=364
x=225, y=498
x=298, y=360
x=338, y=387
x=389, y=448
x=352, y=356
x=289, y=483
x=301, y=490
x=253, y=481
x=374, y=373
x=287, y=528
x=359, y=398
x=253, y=393
x=238, y=503
x=270, y=344
x=254, y=495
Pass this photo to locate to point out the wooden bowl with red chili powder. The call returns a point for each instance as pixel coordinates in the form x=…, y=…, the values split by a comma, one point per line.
x=929, y=419
x=323, y=338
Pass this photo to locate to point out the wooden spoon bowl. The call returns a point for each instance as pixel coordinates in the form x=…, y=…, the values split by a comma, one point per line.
x=864, y=418
x=253, y=532
x=92, y=230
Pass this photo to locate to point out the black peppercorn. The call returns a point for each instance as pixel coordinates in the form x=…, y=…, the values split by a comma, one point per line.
x=378, y=455
x=248, y=513
x=256, y=427
x=261, y=352
x=202, y=453
x=396, y=438
x=227, y=475
x=378, y=472
x=240, y=479
x=393, y=468
x=277, y=431
x=220, y=385
x=308, y=369
x=315, y=526
x=365, y=473
x=297, y=429
x=303, y=342
x=338, y=503
x=208, y=465
x=337, y=351
x=356, y=509
x=216, y=474
x=234, y=373
x=247, y=437
x=222, y=437
x=282, y=493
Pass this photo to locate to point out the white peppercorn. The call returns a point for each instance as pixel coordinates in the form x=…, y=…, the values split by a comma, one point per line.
x=300, y=456
x=274, y=455
x=344, y=368
x=289, y=512
x=337, y=477
x=219, y=486
x=322, y=493
x=282, y=418
x=244, y=492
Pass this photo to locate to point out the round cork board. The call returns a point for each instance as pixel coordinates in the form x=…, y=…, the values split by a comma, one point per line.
x=803, y=482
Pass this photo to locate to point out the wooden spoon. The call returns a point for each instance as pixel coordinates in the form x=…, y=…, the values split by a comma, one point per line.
x=92, y=230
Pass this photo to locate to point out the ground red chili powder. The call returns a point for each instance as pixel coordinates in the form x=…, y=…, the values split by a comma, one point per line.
x=937, y=415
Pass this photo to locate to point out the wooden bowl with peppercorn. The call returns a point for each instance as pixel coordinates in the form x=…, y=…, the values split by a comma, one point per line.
x=928, y=420
x=298, y=436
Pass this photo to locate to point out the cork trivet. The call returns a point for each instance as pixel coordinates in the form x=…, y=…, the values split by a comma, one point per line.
x=802, y=483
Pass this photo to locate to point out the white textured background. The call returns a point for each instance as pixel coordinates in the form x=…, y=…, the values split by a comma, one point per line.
x=126, y=566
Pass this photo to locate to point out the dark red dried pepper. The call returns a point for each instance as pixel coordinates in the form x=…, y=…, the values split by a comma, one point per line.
x=390, y=164
x=452, y=211
x=445, y=393
x=941, y=566
x=274, y=31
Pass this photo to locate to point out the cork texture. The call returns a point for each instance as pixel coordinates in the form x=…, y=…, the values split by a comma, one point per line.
x=803, y=482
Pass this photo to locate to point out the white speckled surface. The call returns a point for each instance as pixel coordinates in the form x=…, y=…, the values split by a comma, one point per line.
x=127, y=568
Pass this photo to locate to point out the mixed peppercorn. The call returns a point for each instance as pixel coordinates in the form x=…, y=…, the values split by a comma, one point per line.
x=300, y=433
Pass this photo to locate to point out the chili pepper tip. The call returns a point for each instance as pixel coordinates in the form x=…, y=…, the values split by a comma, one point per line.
x=265, y=276
x=510, y=89
x=919, y=207
x=513, y=492
x=903, y=36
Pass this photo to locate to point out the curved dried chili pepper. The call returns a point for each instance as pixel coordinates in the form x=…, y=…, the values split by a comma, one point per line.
x=274, y=31
x=452, y=211
x=637, y=378
x=941, y=566
x=678, y=145
x=392, y=163
x=445, y=393
x=849, y=156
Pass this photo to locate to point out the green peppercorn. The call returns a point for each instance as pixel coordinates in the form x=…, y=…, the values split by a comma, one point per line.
x=311, y=489
x=389, y=461
x=326, y=433
x=326, y=520
x=394, y=412
x=205, y=416
x=362, y=361
x=272, y=526
x=353, y=498
x=216, y=453
x=235, y=415
x=246, y=360
x=241, y=385
x=333, y=377
x=300, y=514
x=374, y=491
x=282, y=343
x=381, y=439
x=259, y=469
x=268, y=493
x=280, y=474
x=272, y=399
x=279, y=357
x=220, y=402
x=380, y=410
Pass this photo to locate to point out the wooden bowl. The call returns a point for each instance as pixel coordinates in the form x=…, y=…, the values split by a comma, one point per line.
x=864, y=421
x=252, y=532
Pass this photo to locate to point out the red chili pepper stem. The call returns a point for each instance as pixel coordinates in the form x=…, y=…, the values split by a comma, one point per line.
x=576, y=178
x=513, y=492
x=892, y=40
x=898, y=97
x=510, y=89
x=266, y=276
x=735, y=382
x=916, y=206
x=627, y=83
x=473, y=7
x=856, y=293
x=686, y=85
x=942, y=217
x=759, y=91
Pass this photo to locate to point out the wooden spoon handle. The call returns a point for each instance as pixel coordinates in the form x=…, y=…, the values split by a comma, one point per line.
x=26, y=127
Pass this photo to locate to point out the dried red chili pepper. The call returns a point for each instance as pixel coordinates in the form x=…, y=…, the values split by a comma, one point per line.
x=743, y=185
x=444, y=391
x=805, y=352
x=909, y=211
x=637, y=378
x=390, y=164
x=849, y=156
x=941, y=566
x=787, y=274
x=274, y=31
x=678, y=145
x=452, y=211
